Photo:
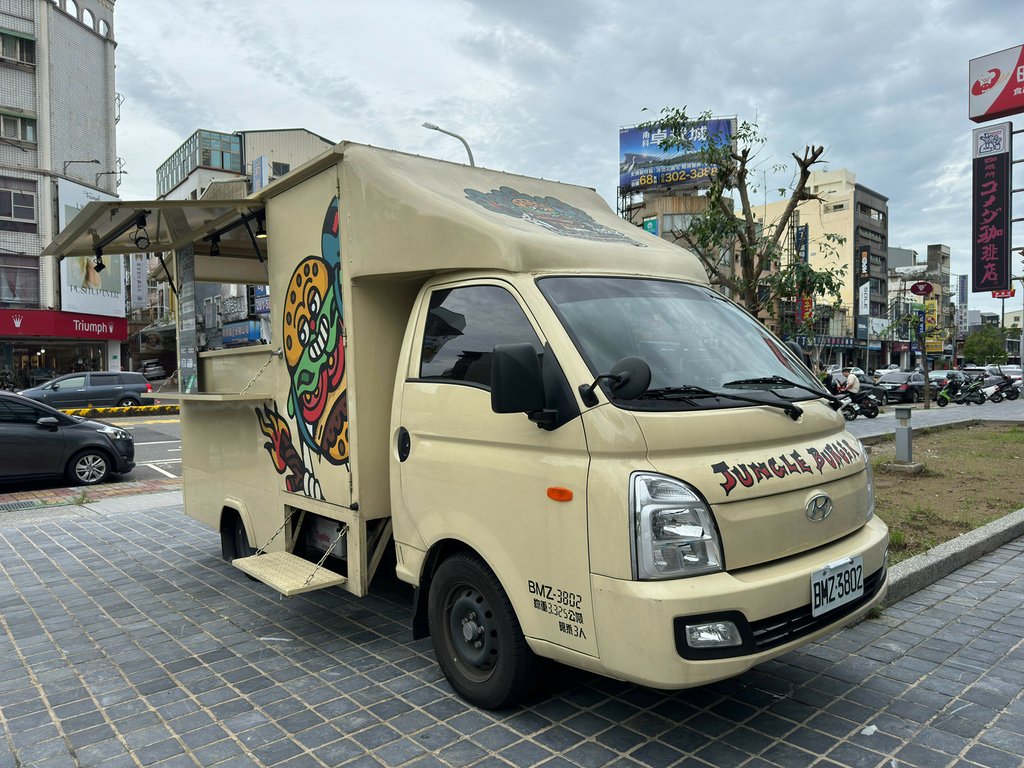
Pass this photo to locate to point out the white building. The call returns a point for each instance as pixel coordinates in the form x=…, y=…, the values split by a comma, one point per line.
x=227, y=165
x=58, y=110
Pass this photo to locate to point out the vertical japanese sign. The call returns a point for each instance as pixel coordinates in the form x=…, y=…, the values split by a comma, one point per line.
x=863, y=283
x=990, y=252
x=139, y=271
x=802, y=235
x=804, y=309
x=188, y=342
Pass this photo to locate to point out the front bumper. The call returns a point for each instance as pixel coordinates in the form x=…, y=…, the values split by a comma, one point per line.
x=639, y=621
x=124, y=456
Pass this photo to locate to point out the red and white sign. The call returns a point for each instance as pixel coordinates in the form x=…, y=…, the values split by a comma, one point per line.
x=50, y=323
x=921, y=288
x=1008, y=294
x=997, y=85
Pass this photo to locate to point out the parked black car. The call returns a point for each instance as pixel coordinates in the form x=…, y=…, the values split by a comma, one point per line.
x=152, y=369
x=901, y=386
x=866, y=385
x=37, y=441
x=94, y=388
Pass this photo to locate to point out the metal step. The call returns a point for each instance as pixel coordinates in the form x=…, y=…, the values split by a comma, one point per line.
x=287, y=573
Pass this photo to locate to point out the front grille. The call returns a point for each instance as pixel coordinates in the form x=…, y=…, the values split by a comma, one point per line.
x=786, y=627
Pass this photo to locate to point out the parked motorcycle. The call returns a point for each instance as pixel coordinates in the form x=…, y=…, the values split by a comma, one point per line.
x=865, y=405
x=971, y=392
x=1005, y=387
x=7, y=380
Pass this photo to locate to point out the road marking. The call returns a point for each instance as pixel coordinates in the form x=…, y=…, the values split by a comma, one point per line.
x=162, y=461
x=134, y=422
x=161, y=471
x=172, y=450
x=160, y=442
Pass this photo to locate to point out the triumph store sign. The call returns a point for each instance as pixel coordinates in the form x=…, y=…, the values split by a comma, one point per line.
x=51, y=324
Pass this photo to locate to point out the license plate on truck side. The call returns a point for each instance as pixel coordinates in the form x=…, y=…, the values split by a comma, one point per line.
x=837, y=584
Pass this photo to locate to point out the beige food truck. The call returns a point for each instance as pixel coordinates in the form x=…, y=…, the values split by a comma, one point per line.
x=574, y=448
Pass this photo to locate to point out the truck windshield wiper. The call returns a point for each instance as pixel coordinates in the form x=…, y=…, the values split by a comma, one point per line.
x=691, y=392
x=781, y=381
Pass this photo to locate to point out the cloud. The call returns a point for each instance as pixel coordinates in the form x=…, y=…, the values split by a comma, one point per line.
x=541, y=88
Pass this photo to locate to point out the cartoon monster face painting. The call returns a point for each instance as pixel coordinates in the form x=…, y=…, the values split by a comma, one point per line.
x=316, y=358
x=312, y=333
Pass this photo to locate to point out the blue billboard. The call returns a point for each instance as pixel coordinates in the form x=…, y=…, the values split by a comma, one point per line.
x=241, y=332
x=643, y=164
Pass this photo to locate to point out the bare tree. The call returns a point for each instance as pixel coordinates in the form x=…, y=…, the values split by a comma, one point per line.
x=760, y=277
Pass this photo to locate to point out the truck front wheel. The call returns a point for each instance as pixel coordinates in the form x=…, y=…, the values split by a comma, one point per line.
x=477, y=639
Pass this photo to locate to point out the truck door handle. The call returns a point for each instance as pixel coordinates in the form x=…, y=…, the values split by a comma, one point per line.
x=404, y=444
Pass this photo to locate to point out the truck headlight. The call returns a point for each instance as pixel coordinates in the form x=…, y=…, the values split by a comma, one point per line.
x=674, y=532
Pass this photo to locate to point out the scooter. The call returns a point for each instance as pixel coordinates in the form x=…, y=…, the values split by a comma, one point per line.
x=970, y=392
x=1004, y=388
x=859, y=405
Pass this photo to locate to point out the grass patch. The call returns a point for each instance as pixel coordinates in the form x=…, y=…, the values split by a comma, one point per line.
x=970, y=479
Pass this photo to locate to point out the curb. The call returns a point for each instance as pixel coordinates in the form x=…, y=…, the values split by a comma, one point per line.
x=920, y=571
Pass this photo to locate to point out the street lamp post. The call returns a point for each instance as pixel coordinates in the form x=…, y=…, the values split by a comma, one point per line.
x=469, y=152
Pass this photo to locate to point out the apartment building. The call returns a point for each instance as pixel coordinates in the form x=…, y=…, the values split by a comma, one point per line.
x=58, y=110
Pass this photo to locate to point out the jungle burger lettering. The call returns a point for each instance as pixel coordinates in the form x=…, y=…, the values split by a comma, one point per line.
x=832, y=455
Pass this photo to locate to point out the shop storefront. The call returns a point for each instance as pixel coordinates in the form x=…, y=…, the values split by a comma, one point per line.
x=38, y=344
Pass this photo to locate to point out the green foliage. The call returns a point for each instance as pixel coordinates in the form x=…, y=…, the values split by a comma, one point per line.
x=986, y=345
x=761, y=276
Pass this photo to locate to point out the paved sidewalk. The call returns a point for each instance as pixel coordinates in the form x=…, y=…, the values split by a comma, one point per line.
x=1005, y=411
x=54, y=494
x=126, y=641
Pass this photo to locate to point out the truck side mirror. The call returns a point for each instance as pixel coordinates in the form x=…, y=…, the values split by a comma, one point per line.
x=797, y=350
x=516, y=382
x=629, y=378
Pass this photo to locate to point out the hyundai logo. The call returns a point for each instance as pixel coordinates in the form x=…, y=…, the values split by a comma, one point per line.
x=819, y=507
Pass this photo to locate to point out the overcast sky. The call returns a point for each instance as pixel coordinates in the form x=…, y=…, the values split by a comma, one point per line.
x=541, y=87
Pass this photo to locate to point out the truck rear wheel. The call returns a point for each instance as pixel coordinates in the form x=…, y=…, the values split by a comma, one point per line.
x=477, y=639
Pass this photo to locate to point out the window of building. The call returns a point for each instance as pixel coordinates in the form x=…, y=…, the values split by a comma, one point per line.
x=20, y=128
x=88, y=19
x=463, y=326
x=72, y=8
x=19, y=281
x=863, y=233
x=104, y=28
x=18, y=48
x=833, y=207
x=17, y=205
x=678, y=222
x=280, y=169
x=872, y=213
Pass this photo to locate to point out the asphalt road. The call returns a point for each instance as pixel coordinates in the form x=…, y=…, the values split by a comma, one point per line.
x=157, y=445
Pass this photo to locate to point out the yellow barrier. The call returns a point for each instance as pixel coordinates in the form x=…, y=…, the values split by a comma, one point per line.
x=133, y=410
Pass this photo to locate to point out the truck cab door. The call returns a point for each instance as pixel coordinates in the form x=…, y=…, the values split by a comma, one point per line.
x=514, y=493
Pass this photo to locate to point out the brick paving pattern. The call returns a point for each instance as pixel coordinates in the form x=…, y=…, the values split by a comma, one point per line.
x=126, y=641
x=42, y=495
